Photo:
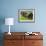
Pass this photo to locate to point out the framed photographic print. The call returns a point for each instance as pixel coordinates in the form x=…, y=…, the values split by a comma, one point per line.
x=26, y=15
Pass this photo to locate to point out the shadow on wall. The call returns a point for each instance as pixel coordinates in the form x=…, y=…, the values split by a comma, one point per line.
x=2, y=21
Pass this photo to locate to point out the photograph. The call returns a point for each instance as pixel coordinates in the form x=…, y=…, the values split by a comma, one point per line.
x=26, y=15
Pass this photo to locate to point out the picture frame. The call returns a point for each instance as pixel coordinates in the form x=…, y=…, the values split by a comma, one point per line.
x=26, y=15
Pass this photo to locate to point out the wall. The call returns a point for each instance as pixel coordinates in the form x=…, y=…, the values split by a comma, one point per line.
x=9, y=8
